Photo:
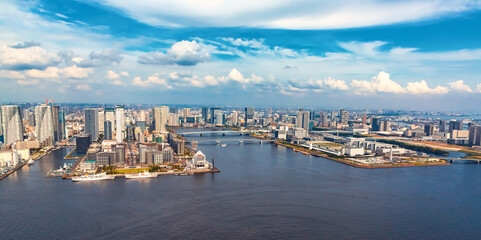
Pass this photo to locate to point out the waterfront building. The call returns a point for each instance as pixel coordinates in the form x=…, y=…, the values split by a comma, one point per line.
x=167, y=154
x=212, y=113
x=199, y=162
x=61, y=121
x=119, y=154
x=154, y=157
x=455, y=125
x=120, y=123
x=475, y=135
x=82, y=142
x=143, y=148
x=11, y=124
x=105, y=159
x=205, y=114
x=249, y=115
x=235, y=118
x=91, y=120
x=57, y=132
x=44, y=125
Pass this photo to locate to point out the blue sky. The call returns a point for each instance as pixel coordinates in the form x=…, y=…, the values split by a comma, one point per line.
x=420, y=55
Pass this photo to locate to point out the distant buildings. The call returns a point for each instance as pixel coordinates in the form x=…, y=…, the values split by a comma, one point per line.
x=429, y=129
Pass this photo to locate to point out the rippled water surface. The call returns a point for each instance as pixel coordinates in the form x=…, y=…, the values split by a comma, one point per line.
x=262, y=191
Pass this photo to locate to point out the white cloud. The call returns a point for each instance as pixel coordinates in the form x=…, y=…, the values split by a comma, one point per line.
x=379, y=83
x=112, y=75
x=76, y=72
x=460, y=86
x=422, y=88
x=184, y=53
x=50, y=72
x=151, y=81
x=253, y=43
x=26, y=58
x=290, y=14
x=336, y=84
x=28, y=82
x=11, y=74
x=235, y=75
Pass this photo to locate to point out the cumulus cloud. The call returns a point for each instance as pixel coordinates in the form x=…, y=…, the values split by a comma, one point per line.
x=379, y=83
x=184, y=53
x=422, y=88
x=460, y=86
x=253, y=43
x=26, y=58
x=76, y=72
x=104, y=58
x=151, y=81
x=336, y=84
x=50, y=72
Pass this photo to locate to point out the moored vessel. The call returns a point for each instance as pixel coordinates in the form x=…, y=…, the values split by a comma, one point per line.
x=139, y=175
x=93, y=177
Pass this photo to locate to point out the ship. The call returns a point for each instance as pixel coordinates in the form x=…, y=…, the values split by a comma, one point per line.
x=30, y=162
x=139, y=175
x=223, y=145
x=93, y=177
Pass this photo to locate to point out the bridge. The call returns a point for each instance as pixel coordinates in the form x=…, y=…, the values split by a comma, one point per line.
x=453, y=160
x=218, y=141
x=224, y=133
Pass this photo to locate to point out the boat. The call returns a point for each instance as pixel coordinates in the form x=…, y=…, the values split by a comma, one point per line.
x=93, y=177
x=183, y=174
x=143, y=174
x=56, y=172
x=223, y=145
x=30, y=162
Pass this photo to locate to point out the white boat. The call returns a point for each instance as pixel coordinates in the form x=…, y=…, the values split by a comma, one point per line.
x=93, y=177
x=143, y=174
x=30, y=162
x=223, y=145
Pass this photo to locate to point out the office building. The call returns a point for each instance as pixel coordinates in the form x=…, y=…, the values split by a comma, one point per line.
x=302, y=120
x=375, y=124
x=12, y=126
x=429, y=129
x=107, y=130
x=205, y=114
x=160, y=118
x=91, y=120
x=212, y=113
x=82, y=142
x=101, y=115
x=475, y=135
x=344, y=116
x=44, y=125
x=120, y=123
x=109, y=115
x=249, y=115
x=56, y=124
x=61, y=121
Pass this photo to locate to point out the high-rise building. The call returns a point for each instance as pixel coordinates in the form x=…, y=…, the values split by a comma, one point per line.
x=1, y=125
x=312, y=115
x=11, y=124
x=107, y=130
x=56, y=123
x=364, y=119
x=91, y=119
x=455, y=125
x=205, y=114
x=375, y=124
x=120, y=123
x=219, y=118
x=109, y=115
x=302, y=120
x=475, y=135
x=61, y=122
x=160, y=118
x=442, y=126
x=44, y=125
x=322, y=118
x=212, y=114
x=343, y=116
x=186, y=112
x=101, y=115
x=235, y=118
x=249, y=115
x=429, y=129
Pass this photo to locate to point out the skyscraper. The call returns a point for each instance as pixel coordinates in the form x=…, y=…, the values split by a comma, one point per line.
x=442, y=126
x=235, y=118
x=302, y=120
x=101, y=115
x=160, y=117
x=343, y=116
x=91, y=119
x=212, y=114
x=107, y=130
x=375, y=124
x=109, y=114
x=61, y=121
x=249, y=115
x=120, y=123
x=56, y=123
x=205, y=114
x=429, y=129
x=11, y=124
x=44, y=125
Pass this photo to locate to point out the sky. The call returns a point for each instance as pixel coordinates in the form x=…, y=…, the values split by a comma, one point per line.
x=372, y=54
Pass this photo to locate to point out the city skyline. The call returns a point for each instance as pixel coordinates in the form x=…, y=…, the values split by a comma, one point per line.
x=333, y=55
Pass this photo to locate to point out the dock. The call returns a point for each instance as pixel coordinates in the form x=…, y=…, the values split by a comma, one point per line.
x=12, y=171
